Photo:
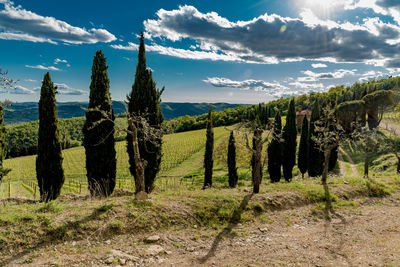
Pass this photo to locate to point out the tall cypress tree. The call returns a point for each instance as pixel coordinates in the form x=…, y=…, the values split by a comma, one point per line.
x=98, y=140
x=232, y=170
x=3, y=171
x=49, y=171
x=144, y=101
x=302, y=161
x=208, y=155
x=289, y=136
x=316, y=156
x=275, y=150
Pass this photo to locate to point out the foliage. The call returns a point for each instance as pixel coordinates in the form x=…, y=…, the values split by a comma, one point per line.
x=289, y=136
x=275, y=151
x=144, y=100
x=232, y=169
x=303, y=156
x=208, y=154
x=98, y=133
x=49, y=170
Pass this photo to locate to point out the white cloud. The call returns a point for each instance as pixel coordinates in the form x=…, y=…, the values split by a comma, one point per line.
x=64, y=89
x=41, y=67
x=313, y=76
x=30, y=80
x=274, y=89
x=372, y=75
x=17, y=23
x=57, y=60
x=318, y=65
x=270, y=39
x=20, y=90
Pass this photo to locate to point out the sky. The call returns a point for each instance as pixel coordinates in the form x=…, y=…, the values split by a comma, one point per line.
x=202, y=51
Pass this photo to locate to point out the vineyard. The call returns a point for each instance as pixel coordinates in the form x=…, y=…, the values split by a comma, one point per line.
x=177, y=148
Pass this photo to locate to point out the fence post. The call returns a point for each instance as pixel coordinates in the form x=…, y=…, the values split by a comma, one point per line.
x=9, y=189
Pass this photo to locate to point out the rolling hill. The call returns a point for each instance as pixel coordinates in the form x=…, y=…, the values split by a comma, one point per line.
x=28, y=111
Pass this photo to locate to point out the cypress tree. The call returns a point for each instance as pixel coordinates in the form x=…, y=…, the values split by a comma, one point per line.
x=3, y=172
x=303, y=156
x=289, y=136
x=98, y=137
x=275, y=150
x=144, y=101
x=49, y=171
x=256, y=138
x=208, y=155
x=232, y=170
x=316, y=156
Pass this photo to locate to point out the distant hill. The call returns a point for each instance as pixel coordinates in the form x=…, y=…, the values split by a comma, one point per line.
x=28, y=111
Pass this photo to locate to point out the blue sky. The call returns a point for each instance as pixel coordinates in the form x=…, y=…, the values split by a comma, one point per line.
x=201, y=51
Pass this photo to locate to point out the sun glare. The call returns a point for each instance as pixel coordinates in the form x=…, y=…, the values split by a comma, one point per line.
x=323, y=8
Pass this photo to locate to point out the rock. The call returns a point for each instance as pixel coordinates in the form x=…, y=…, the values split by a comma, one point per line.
x=263, y=230
x=122, y=261
x=109, y=260
x=122, y=255
x=195, y=226
x=73, y=243
x=141, y=196
x=154, y=250
x=108, y=242
x=152, y=239
x=168, y=252
x=190, y=249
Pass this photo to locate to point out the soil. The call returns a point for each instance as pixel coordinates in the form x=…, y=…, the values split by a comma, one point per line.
x=367, y=234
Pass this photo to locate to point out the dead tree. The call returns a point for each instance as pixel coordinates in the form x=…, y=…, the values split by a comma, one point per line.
x=149, y=132
x=257, y=155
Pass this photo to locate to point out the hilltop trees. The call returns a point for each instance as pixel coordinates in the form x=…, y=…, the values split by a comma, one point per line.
x=275, y=151
x=289, y=137
x=49, y=171
x=232, y=170
x=302, y=161
x=208, y=155
x=144, y=101
x=98, y=133
x=3, y=171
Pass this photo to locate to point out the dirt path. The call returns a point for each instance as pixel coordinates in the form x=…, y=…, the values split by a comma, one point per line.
x=390, y=126
x=342, y=165
x=354, y=171
x=368, y=236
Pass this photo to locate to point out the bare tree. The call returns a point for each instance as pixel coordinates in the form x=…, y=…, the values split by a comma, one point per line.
x=149, y=133
x=257, y=155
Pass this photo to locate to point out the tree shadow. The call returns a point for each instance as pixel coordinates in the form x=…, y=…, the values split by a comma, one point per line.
x=329, y=208
x=233, y=222
x=55, y=235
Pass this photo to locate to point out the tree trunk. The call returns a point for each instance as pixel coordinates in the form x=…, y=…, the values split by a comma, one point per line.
x=398, y=165
x=257, y=162
x=325, y=170
x=140, y=164
x=366, y=164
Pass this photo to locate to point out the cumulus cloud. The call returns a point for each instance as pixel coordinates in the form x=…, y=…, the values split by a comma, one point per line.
x=372, y=75
x=384, y=7
x=270, y=39
x=41, y=67
x=274, y=89
x=64, y=89
x=17, y=23
x=20, y=90
x=313, y=76
x=57, y=60
x=318, y=65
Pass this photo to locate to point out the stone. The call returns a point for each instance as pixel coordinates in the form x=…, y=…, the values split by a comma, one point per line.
x=108, y=242
x=152, y=239
x=122, y=261
x=154, y=250
x=109, y=260
x=73, y=243
x=122, y=255
x=263, y=230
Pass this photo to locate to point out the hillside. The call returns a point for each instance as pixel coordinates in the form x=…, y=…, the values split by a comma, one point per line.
x=28, y=111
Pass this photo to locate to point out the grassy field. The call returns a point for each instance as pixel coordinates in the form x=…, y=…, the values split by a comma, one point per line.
x=177, y=148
